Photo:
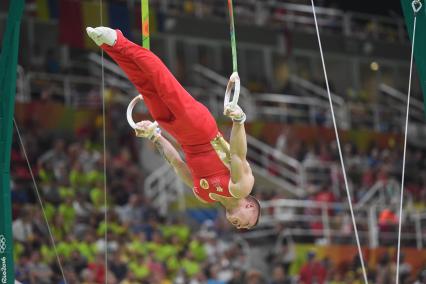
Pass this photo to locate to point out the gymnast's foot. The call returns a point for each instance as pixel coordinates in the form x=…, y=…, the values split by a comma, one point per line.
x=101, y=35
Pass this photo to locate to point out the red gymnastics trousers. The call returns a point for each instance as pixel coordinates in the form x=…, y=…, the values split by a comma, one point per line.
x=176, y=111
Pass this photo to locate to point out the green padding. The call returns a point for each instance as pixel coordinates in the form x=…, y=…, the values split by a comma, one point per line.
x=8, y=63
x=420, y=44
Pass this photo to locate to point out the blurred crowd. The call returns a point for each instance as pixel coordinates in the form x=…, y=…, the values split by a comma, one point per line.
x=365, y=168
x=143, y=247
x=278, y=13
x=146, y=247
x=315, y=269
x=374, y=177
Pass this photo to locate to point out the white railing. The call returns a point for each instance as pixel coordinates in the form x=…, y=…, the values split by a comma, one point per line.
x=288, y=174
x=162, y=187
x=108, y=64
x=421, y=230
x=320, y=173
x=397, y=100
x=331, y=223
x=313, y=101
x=286, y=171
x=217, y=78
x=309, y=89
x=382, y=193
x=286, y=108
x=388, y=113
x=216, y=92
x=311, y=106
x=74, y=90
x=297, y=16
x=21, y=94
x=62, y=85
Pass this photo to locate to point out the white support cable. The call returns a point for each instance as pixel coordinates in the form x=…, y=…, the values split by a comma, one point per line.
x=52, y=239
x=416, y=9
x=339, y=147
x=104, y=150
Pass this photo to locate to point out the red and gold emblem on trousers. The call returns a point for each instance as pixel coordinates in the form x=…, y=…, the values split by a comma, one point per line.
x=204, y=184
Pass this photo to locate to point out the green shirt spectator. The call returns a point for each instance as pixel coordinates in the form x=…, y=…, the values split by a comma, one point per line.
x=182, y=231
x=97, y=197
x=87, y=250
x=66, y=192
x=68, y=213
x=197, y=250
x=112, y=227
x=190, y=267
x=165, y=251
x=138, y=247
x=140, y=270
x=65, y=249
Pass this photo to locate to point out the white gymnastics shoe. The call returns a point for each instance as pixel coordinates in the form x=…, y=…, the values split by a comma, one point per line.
x=101, y=35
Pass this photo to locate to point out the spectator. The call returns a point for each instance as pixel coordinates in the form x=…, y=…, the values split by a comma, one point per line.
x=313, y=271
x=22, y=227
x=52, y=62
x=132, y=212
x=385, y=270
x=254, y=277
x=53, y=160
x=213, y=275
x=405, y=270
x=279, y=276
x=39, y=272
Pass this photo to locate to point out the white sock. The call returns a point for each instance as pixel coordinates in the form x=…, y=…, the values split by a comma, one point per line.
x=101, y=35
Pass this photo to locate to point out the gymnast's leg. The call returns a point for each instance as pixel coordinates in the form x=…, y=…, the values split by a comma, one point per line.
x=157, y=83
x=108, y=41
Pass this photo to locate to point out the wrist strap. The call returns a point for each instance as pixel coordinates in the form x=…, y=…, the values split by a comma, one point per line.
x=240, y=120
x=155, y=135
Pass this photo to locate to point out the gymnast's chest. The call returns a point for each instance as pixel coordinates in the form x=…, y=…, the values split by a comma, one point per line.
x=204, y=188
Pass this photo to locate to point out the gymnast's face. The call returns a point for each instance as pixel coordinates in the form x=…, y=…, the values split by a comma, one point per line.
x=246, y=215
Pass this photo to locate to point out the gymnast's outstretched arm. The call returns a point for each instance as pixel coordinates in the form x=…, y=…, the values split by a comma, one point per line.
x=149, y=130
x=171, y=155
x=242, y=179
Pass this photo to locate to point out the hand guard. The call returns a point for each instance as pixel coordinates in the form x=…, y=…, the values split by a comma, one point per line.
x=235, y=113
x=148, y=129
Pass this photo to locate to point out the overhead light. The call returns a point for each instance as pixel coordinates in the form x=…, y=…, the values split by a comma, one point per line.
x=374, y=66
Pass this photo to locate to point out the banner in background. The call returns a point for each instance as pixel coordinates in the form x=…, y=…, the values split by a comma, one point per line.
x=71, y=23
x=76, y=15
x=92, y=18
x=119, y=15
x=47, y=9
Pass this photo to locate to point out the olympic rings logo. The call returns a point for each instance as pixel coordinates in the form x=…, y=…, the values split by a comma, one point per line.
x=2, y=244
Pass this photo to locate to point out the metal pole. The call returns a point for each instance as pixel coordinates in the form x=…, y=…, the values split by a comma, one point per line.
x=419, y=237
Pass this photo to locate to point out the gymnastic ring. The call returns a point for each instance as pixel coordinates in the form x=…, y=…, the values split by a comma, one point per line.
x=130, y=111
x=234, y=83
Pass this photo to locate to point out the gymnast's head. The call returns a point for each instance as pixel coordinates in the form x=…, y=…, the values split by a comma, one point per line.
x=246, y=214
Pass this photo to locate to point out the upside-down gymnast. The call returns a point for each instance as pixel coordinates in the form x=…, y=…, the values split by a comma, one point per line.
x=215, y=170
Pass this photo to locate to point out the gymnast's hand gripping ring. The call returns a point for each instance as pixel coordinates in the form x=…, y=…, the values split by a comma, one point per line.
x=234, y=83
x=130, y=111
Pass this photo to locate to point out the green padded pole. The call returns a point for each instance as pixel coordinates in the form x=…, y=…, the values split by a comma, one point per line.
x=8, y=65
x=233, y=40
x=420, y=44
x=145, y=24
